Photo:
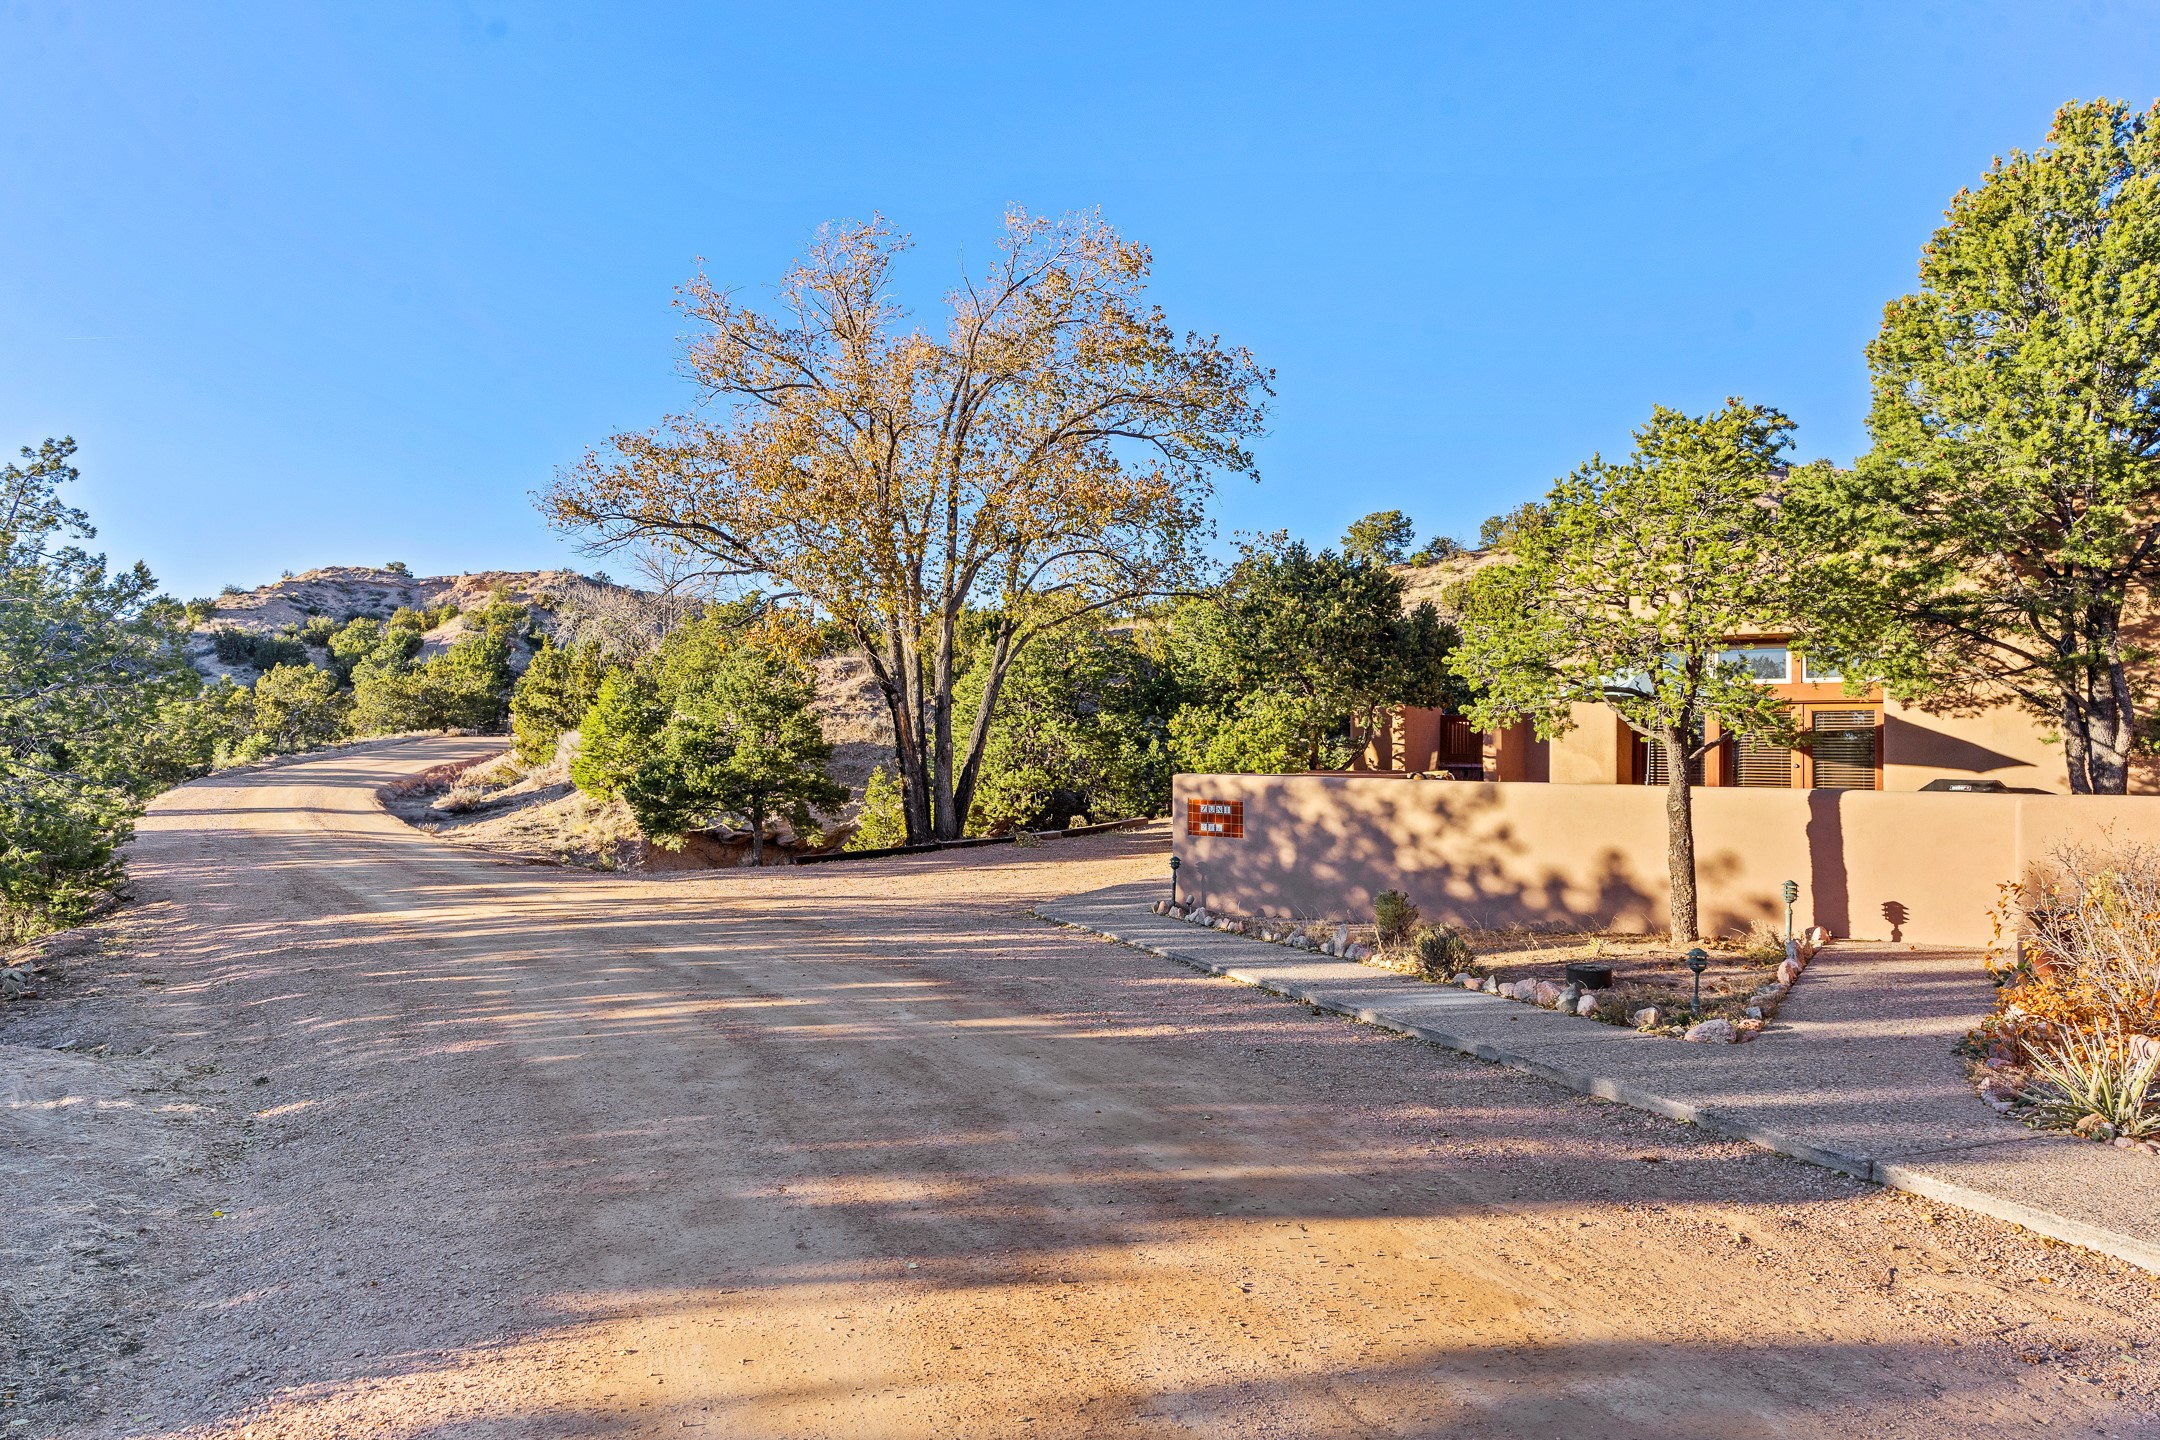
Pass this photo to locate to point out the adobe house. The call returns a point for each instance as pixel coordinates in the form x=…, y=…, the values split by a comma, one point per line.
x=1863, y=742
x=1857, y=742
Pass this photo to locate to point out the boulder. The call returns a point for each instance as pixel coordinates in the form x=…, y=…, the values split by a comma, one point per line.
x=1491, y=986
x=1586, y=1005
x=2092, y=1127
x=1712, y=1032
x=1546, y=993
x=1469, y=981
x=1201, y=916
x=1817, y=937
x=1787, y=973
x=1645, y=1018
x=15, y=982
x=1359, y=953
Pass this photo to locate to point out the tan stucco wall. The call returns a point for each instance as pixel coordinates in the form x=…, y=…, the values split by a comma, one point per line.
x=2001, y=744
x=1594, y=751
x=1871, y=864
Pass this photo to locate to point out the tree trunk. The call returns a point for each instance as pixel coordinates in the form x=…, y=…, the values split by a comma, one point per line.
x=757, y=833
x=1001, y=658
x=945, y=824
x=1680, y=836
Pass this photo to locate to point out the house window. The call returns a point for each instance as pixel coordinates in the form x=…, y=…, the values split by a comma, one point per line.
x=1843, y=749
x=1760, y=765
x=1770, y=664
x=1821, y=670
x=1654, y=771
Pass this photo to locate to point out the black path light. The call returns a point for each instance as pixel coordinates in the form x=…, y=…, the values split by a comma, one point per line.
x=1792, y=895
x=1174, y=863
x=1698, y=960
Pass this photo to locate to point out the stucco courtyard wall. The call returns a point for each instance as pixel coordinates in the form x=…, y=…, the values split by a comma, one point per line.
x=1875, y=865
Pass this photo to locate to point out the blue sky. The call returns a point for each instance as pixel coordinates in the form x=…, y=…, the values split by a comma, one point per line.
x=318, y=284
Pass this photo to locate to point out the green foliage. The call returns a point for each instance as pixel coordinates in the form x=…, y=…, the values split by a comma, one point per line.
x=1394, y=916
x=466, y=687
x=371, y=644
x=2083, y=1080
x=882, y=822
x=256, y=649
x=552, y=696
x=1627, y=589
x=297, y=707
x=1501, y=530
x=741, y=744
x=1435, y=550
x=1261, y=734
x=1443, y=951
x=1989, y=545
x=420, y=622
x=397, y=567
x=316, y=632
x=1081, y=729
x=88, y=663
x=1381, y=538
x=194, y=732
x=1307, y=643
x=200, y=612
x=619, y=730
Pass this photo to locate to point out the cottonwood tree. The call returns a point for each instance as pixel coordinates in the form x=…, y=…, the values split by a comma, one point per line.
x=1624, y=587
x=1990, y=545
x=1047, y=456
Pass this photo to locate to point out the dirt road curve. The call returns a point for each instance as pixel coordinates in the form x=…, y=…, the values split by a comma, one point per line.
x=430, y=1144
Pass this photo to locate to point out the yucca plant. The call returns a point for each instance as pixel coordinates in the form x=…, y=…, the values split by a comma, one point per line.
x=2083, y=1074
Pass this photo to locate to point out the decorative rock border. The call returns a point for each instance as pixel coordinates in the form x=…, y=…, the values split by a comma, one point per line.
x=1760, y=1007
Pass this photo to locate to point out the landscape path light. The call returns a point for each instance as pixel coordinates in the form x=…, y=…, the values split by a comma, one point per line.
x=1174, y=863
x=1698, y=960
x=1792, y=894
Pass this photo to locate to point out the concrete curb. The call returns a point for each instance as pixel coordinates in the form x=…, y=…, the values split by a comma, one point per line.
x=1913, y=1178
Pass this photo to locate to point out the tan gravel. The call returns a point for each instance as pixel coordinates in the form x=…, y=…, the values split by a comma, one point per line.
x=862, y=1150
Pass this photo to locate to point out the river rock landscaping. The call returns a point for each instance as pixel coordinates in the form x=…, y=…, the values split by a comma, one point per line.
x=1637, y=981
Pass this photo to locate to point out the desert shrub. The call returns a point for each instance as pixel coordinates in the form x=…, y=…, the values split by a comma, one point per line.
x=619, y=729
x=882, y=822
x=552, y=696
x=199, y=612
x=1764, y=946
x=467, y=687
x=2084, y=1079
x=1080, y=729
x=2088, y=954
x=740, y=745
x=363, y=643
x=316, y=633
x=297, y=707
x=397, y=567
x=1394, y=916
x=256, y=649
x=1442, y=951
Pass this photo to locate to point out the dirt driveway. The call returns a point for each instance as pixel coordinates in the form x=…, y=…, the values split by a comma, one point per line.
x=350, y=1133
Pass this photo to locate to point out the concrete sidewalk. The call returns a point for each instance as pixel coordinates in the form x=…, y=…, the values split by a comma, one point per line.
x=1856, y=1073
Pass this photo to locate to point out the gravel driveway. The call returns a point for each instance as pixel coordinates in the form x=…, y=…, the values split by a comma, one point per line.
x=343, y=1131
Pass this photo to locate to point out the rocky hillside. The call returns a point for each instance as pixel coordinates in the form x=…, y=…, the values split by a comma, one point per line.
x=848, y=700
